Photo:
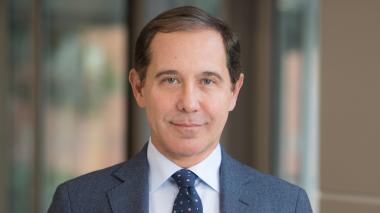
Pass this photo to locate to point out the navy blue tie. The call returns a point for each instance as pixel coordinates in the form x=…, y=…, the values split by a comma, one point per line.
x=187, y=199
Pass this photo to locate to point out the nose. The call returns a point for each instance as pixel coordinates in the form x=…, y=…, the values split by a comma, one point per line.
x=188, y=100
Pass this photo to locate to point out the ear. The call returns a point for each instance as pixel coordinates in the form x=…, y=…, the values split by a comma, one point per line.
x=235, y=91
x=137, y=86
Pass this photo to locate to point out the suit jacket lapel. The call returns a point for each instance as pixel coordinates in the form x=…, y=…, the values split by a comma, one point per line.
x=233, y=177
x=132, y=194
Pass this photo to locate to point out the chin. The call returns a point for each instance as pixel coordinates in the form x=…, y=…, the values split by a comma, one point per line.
x=189, y=147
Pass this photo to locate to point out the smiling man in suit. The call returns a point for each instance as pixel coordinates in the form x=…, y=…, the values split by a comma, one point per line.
x=187, y=77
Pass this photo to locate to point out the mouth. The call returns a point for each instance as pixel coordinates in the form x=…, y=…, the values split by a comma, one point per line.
x=187, y=129
x=186, y=125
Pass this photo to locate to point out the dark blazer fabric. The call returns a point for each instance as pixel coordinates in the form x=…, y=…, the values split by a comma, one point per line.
x=124, y=188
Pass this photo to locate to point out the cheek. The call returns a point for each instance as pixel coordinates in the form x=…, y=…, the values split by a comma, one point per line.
x=158, y=105
x=219, y=103
x=217, y=107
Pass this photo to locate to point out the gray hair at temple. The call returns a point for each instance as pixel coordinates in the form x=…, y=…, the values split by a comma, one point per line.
x=186, y=18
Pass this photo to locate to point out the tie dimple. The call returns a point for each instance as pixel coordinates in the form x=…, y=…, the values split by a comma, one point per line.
x=187, y=199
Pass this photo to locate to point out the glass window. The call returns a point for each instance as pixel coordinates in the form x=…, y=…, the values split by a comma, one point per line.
x=84, y=73
x=296, y=66
x=21, y=105
x=68, y=117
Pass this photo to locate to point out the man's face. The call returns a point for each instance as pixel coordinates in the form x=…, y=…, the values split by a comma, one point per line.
x=187, y=94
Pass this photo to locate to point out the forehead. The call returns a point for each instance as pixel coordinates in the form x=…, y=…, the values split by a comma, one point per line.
x=197, y=50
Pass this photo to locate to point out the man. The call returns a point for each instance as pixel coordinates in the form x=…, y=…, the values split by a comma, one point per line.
x=187, y=77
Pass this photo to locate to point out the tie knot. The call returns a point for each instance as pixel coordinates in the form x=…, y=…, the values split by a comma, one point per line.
x=184, y=178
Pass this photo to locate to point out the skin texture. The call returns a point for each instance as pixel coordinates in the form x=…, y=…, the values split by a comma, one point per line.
x=187, y=94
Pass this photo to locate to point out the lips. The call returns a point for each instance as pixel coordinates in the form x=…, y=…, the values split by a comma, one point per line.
x=188, y=125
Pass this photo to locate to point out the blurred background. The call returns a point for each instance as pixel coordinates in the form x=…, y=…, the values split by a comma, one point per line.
x=308, y=111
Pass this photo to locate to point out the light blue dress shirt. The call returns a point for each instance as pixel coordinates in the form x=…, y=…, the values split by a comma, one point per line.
x=163, y=190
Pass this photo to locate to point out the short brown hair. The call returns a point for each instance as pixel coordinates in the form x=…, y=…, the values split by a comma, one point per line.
x=186, y=18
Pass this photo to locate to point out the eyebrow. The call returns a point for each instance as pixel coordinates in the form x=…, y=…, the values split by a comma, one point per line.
x=175, y=73
x=212, y=74
x=166, y=72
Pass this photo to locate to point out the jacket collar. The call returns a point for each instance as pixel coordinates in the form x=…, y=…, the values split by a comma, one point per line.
x=133, y=193
x=233, y=178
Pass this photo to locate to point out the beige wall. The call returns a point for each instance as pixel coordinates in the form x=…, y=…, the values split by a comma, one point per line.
x=350, y=106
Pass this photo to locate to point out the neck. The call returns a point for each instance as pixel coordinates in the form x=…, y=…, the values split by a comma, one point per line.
x=189, y=159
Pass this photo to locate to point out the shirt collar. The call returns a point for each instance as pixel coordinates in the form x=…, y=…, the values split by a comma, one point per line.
x=161, y=168
x=208, y=169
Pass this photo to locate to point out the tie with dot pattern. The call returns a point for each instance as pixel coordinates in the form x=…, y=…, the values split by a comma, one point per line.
x=187, y=199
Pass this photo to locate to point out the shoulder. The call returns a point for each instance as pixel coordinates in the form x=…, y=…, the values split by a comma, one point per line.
x=89, y=192
x=96, y=181
x=269, y=184
x=107, y=178
x=236, y=170
x=265, y=192
x=262, y=181
x=86, y=192
x=277, y=194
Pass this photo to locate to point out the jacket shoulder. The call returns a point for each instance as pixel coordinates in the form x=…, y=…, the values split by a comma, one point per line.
x=90, y=192
x=269, y=182
x=85, y=193
x=249, y=175
x=267, y=193
x=277, y=194
x=96, y=180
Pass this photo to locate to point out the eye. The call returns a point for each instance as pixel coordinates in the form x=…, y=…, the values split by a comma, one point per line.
x=207, y=81
x=171, y=80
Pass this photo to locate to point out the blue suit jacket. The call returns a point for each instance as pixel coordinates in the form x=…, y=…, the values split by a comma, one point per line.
x=124, y=188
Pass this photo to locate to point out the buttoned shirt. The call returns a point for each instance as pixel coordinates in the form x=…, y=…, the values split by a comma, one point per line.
x=163, y=189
